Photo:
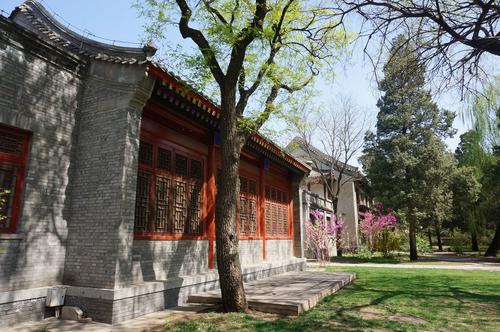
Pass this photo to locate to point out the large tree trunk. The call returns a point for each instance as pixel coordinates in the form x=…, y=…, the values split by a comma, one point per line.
x=413, y=239
x=474, y=241
x=228, y=259
x=438, y=236
x=495, y=243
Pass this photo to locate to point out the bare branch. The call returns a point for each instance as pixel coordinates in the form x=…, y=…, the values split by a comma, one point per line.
x=451, y=36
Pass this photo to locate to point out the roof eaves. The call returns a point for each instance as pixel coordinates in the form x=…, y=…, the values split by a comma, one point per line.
x=34, y=17
x=178, y=85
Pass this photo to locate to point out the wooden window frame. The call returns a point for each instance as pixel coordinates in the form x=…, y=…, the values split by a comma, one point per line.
x=156, y=171
x=283, y=204
x=258, y=234
x=19, y=161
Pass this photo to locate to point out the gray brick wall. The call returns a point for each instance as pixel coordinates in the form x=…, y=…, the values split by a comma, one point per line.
x=41, y=97
x=14, y=312
x=250, y=252
x=298, y=226
x=100, y=233
x=278, y=250
x=160, y=260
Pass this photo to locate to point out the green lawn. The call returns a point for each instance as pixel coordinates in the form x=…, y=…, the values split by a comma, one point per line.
x=383, y=299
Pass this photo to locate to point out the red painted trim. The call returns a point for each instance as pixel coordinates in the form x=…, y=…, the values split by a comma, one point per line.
x=196, y=98
x=210, y=204
x=285, y=188
x=290, y=216
x=279, y=238
x=167, y=118
x=246, y=173
x=166, y=236
x=20, y=161
x=160, y=139
x=262, y=210
x=178, y=87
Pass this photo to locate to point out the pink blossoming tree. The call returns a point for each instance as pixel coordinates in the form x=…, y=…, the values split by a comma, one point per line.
x=375, y=222
x=321, y=233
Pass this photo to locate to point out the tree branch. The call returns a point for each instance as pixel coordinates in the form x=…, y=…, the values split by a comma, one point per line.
x=200, y=40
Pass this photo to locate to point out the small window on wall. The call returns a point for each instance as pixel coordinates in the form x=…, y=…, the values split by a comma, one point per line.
x=248, y=206
x=169, y=191
x=276, y=212
x=13, y=157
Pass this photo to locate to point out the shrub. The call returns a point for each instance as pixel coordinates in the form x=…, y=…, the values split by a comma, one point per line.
x=388, y=241
x=458, y=241
x=364, y=252
x=423, y=246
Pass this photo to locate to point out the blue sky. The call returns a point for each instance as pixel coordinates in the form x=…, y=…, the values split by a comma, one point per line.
x=116, y=20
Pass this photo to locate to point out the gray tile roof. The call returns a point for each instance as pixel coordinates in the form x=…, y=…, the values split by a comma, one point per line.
x=34, y=17
x=322, y=159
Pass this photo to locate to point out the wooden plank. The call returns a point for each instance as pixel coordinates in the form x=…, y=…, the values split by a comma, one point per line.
x=286, y=294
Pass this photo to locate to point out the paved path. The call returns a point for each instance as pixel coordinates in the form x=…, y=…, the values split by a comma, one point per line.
x=152, y=322
x=444, y=266
x=288, y=294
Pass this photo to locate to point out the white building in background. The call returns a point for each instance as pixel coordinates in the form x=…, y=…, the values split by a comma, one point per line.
x=315, y=195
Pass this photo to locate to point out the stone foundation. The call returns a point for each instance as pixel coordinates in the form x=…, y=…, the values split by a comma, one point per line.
x=115, y=306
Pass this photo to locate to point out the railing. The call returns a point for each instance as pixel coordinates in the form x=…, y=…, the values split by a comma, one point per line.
x=315, y=201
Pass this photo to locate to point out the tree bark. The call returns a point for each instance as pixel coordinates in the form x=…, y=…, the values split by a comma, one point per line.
x=495, y=243
x=429, y=235
x=413, y=239
x=438, y=236
x=474, y=241
x=338, y=237
x=228, y=260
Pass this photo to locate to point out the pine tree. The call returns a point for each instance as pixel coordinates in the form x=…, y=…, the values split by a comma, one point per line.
x=407, y=145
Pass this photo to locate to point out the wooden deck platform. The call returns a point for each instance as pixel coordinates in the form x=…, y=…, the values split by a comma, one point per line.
x=287, y=294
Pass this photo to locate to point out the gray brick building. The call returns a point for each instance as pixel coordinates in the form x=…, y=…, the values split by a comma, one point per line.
x=111, y=163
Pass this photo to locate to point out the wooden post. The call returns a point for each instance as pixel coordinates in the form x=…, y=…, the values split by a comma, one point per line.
x=210, y=196
x=290, y=221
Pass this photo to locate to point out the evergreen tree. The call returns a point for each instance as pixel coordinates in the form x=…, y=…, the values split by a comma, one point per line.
x=472, y=159
x=407, y=145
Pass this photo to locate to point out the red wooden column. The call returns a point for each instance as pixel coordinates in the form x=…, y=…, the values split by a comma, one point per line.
x=291, y=195
x=210, y=196
x=262, y=209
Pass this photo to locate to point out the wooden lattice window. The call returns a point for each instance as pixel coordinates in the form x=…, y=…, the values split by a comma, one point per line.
x=169, y=191
x=276, y=212
x=248, y=206
x=13, y=157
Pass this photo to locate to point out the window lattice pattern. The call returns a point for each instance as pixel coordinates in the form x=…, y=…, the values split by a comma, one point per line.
x=162, y=203
x=179, y=206
x=8, y=175
x=169, y=192
x=13, y=156
x=248, y=206
x=196, y=173
x=276, y=212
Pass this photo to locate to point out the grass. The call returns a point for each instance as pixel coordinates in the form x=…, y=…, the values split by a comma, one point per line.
x=398, y=258
x=376, y=258
x=382, y=299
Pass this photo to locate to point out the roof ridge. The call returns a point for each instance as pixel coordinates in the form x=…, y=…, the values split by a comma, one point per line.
x=302, y=143
x=33, y=16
